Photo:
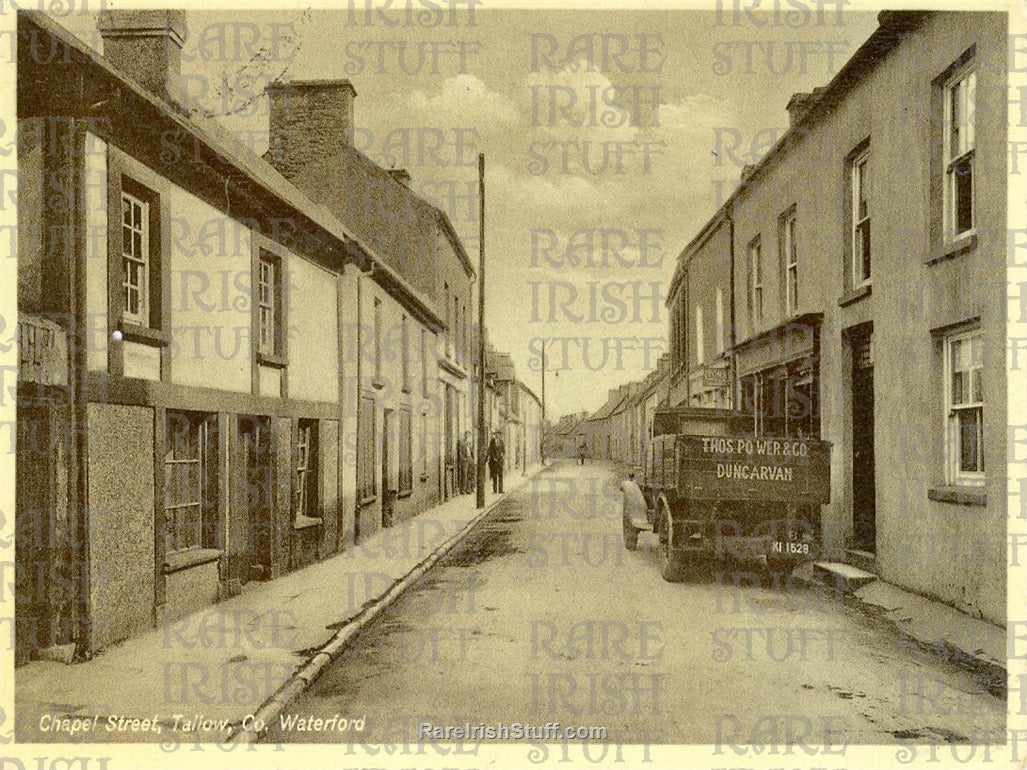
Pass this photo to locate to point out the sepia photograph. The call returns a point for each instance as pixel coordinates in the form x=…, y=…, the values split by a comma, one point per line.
x=469, y=383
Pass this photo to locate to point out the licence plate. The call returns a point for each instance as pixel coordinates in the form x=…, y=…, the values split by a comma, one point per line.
x=790, y=549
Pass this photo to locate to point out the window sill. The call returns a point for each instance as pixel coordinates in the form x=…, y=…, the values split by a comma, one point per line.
x=367, y=500
x=403, y=495
x=190, y=557
x=131, y=332
x=305, y=522
x=267, y=359
x=854, y=295
x=960, y=495
x=961, y=245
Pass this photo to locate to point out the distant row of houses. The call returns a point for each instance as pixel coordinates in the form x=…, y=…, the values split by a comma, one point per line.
x=230, y=366
x=852, y=288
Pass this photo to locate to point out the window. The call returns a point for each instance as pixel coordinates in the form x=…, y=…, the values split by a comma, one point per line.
x=305, y=505
x=458, y=343
x=189, y=470
x=424, y=447
x=755, y=281
x=377, y=338
x=424, y=362
x=449, y=320
x=700, y=350
x=367, y=487
x=406, y=455
x=960, y=141
x=405, y=355
x=790, y=259
x=719, y=342
x=860, y=188
x=269, y=311
x=965, y=406
x=135, y=258
x=466, y=336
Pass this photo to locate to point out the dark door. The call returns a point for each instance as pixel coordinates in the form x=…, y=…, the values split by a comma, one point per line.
x=864, y=518
x=449, y=452
x=253, y=503
x=388, y=492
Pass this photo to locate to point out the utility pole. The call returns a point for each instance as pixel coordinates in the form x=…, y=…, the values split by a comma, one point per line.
x=480, y=492
x=542, y=436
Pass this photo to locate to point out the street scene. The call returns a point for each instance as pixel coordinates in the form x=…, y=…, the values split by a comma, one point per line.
x=458, y=384
x=598, y=638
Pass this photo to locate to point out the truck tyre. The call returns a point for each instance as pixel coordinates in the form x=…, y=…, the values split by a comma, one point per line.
x=780, y=567
x=672, y=562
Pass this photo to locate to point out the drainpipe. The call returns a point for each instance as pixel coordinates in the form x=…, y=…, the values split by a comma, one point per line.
x=733, y=360
x=78, y=377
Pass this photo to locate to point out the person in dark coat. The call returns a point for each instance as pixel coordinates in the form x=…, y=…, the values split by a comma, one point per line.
x=496, y=457
x=465, y=459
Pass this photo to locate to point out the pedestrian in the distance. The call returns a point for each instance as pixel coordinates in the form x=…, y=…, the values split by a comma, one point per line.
x=467, y=461
x=496, y=457
x=582, y=451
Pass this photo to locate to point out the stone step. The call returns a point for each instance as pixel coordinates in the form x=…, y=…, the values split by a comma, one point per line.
x=642, y=524
x=863, y=560
x=845, y=577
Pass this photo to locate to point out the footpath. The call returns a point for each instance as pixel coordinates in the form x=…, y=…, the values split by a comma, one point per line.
x=217, y=674
x=971, y=642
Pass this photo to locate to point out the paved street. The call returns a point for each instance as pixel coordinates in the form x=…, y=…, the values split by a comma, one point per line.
x=541, y=616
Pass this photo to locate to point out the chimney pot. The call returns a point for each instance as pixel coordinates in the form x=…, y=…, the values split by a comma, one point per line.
x=147, y=46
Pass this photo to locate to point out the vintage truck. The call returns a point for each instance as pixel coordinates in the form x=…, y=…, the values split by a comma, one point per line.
x=712, y=489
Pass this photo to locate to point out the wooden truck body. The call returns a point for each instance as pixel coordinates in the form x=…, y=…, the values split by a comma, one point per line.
x=713, y=490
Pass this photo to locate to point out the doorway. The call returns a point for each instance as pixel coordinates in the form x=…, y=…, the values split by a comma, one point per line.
x=388, y=493
x=254, y=502
x=864, y=490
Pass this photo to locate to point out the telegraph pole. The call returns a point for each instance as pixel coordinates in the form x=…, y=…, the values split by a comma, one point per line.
x=542, y=436
x=480, y=492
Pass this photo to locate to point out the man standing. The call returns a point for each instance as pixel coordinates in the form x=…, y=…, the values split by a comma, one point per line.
x=466, y=460
x=496, y=457
x=582, y=451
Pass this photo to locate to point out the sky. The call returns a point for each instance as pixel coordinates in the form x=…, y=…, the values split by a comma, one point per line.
x=610, y=137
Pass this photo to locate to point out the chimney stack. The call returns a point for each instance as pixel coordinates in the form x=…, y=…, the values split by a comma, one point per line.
x=401, y=175
x=147, y=46
x=798, y=106
x=311, y=120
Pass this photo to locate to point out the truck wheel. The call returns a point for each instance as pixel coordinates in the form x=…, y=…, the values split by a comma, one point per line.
x=672, y=562
x=781, y=567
